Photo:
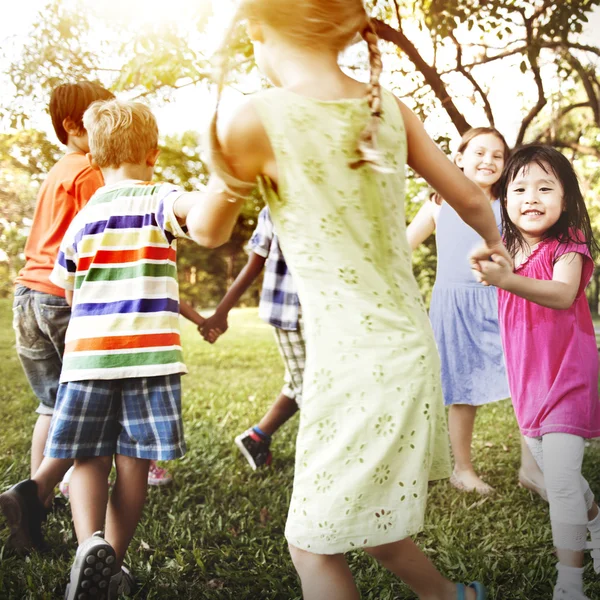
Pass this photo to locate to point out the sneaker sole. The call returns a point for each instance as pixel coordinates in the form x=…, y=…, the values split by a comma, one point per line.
x=92, y=570
x=159, y=482
x=244, y=451
x=12, y=509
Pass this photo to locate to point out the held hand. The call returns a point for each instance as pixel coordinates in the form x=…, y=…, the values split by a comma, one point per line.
x=485, y=252
x=210, y=335
x=496, y=271
x=213, y=327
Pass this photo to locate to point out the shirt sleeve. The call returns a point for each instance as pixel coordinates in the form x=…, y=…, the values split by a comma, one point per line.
x=65, y=267
x=262, y=237
x=587, y=270
x=165, y=214
x=86, y=185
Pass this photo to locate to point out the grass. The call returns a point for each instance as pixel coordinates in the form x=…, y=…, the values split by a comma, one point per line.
x=217, y=533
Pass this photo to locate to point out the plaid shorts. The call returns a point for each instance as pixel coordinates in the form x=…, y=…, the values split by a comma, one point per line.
x=293, y=351
x=138, y=417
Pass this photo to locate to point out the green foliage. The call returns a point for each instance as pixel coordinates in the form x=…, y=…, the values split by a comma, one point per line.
x=217, y=532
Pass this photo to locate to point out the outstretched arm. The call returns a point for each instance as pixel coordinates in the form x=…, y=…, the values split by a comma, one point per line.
x=558, y=293
x=422, y=226
x=450, y=182
x=245, y=278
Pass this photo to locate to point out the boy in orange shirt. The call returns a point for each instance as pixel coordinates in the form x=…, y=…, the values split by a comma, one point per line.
x=41, y=313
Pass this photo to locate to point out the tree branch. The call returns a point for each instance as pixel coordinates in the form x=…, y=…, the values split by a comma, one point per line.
x=588, y=85
x=532, y=55
x=461, y=69
x=588, y=150
x=432, y=77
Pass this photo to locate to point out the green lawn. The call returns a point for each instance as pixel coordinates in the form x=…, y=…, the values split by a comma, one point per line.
x=217, y=533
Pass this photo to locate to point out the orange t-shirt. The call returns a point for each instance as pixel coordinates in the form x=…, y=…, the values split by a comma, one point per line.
x=70, y=184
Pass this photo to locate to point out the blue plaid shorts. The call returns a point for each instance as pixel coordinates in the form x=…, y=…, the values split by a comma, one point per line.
x=138, y=417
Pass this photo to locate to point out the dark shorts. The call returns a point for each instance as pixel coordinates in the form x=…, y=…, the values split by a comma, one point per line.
x=40, y=322
x=138, y=417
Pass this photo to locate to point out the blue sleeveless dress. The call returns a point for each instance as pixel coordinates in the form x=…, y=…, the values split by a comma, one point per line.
x=464, y=317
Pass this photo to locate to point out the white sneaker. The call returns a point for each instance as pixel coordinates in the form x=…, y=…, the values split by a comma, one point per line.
x=561, y=593
x=92, y=569
x=63, y=486
x=594, y=546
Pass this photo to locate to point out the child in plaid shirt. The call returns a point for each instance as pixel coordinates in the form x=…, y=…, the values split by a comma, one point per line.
x=279, y=306
x=120, y=392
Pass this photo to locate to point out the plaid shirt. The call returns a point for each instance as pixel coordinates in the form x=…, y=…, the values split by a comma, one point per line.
x=279, y=305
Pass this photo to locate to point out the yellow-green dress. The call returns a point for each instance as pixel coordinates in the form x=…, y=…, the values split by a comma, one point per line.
x=372, y=426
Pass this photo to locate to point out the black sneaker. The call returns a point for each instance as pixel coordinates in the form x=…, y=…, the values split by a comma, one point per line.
x=24, y=514
x=254, y=448
x=92, y=570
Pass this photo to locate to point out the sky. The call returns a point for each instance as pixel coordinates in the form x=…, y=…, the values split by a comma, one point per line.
x=191, y=108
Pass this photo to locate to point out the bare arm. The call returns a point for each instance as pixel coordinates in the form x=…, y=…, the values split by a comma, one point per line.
x=242, y=282
x=247, y=151
x=558, y=293
x=422, y=226
x=69, y=297
x=183, y=205
x=449, y=181
x=187, y=310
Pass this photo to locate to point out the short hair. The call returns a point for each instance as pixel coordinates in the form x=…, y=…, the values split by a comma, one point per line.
x=71, y=100
x=120, y=132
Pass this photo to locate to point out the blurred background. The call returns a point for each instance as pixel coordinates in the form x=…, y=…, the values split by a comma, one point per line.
x=530, y=68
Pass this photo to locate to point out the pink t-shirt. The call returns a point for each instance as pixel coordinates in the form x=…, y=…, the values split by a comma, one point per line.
x=551, y=355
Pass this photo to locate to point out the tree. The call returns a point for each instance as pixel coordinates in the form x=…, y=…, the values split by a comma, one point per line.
x=444, y=56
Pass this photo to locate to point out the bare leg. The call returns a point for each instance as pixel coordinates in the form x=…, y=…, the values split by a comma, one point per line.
x=281, y=411
x=38, y=441
x=126, y=502
x=324, y=576
x=530, y=474
x=48, y=475
x=461, y=420
x=405, y=560
x=88, y=491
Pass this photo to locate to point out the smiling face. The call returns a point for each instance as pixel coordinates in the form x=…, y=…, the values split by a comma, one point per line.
x=482, y=160
x=535, y=201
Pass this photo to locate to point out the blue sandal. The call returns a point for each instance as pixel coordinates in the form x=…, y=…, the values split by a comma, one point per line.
x=478, y=587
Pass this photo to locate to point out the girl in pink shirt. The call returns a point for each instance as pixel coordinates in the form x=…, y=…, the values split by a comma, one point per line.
x=549, y=341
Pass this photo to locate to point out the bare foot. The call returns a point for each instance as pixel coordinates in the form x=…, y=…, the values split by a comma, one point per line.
x=533, y=483
x=469, y=481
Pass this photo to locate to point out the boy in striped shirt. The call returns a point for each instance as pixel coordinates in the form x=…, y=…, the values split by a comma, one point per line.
x=120, y=391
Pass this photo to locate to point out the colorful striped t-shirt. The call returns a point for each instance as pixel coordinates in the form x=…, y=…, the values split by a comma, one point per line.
x=119, y=258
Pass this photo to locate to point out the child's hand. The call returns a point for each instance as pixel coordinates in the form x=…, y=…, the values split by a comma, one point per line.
x=209, y=335
x=485, y=252
x=496, y=271
x=213, y=327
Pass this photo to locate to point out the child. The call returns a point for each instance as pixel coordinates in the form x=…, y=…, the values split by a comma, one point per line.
x=120, y=393
x=549, y=340
x=279, y=306
x=330, y=155
x=157, y=476
x=464, y=315
x=41, y=313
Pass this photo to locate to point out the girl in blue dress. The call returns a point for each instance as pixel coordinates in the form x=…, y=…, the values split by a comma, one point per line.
x=464, y=314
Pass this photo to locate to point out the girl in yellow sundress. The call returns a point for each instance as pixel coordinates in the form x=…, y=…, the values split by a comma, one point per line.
x=330, y=155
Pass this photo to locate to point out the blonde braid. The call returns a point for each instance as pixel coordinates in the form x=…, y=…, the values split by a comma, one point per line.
x=232, y=185
x=367, y=144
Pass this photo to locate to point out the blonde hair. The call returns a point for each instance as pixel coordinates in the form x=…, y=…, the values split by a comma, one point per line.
x=321, y=24
x=120, y=132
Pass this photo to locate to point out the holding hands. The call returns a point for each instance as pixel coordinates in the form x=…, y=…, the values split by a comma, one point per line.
x=214, y=327
x=491, y=264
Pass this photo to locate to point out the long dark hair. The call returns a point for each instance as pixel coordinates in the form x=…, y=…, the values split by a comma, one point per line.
x=574, y=221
